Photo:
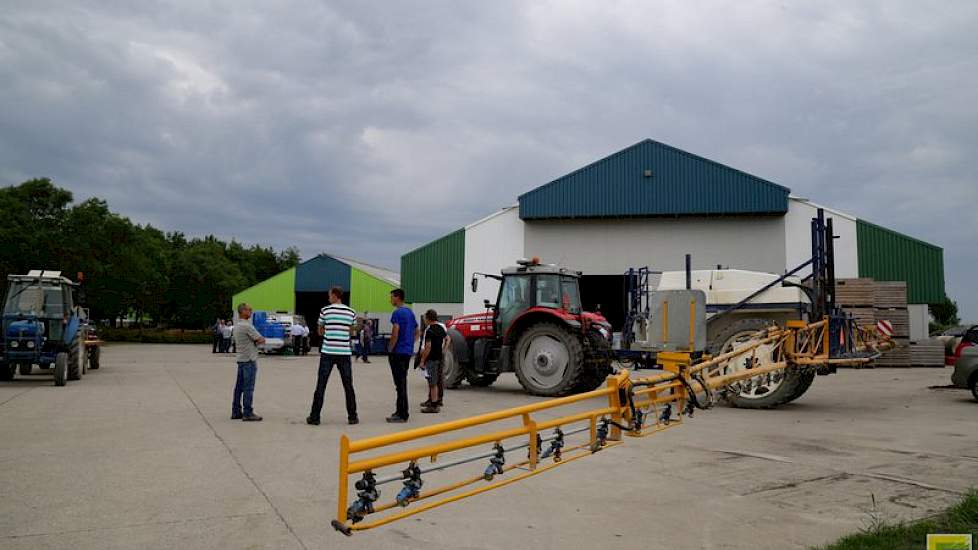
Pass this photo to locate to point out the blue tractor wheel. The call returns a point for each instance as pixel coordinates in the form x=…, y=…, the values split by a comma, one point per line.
x=61, y=369
x=7, y=371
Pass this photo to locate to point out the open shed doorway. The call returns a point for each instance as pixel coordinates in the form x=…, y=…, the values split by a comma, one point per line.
x=605, y=293
x=308, y=305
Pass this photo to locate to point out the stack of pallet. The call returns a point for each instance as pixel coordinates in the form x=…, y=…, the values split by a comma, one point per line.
x=858, y=298
x=927, y=353
x=891, y=305
x=869, y=301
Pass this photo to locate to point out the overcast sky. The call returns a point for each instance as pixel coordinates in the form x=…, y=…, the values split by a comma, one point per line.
x=367, y=128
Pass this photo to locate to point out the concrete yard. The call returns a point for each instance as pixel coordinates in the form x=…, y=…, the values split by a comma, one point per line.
x=142, y=454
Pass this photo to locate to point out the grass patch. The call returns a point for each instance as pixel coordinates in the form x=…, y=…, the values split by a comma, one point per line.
x=962, y=518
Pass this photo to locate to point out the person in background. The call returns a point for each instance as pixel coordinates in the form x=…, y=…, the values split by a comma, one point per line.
x=296, y=332
x=336, y=324
x=217, y=334
x=401, y=347
x=226, y=332
x=366, y=337
x=248, y=341
x=305, y=340
x=431, y=360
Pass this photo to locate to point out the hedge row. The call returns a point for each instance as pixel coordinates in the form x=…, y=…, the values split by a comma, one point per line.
x=154, y=336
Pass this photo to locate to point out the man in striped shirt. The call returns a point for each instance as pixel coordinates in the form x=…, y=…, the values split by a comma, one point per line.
x=336, y=323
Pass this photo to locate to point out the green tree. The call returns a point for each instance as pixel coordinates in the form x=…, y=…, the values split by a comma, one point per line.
x=945, y=313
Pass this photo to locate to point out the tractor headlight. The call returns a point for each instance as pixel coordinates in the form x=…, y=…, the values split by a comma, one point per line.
x=30, y=344
x=14, y=343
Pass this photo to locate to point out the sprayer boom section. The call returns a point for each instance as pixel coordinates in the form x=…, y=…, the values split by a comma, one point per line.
x=402, y=475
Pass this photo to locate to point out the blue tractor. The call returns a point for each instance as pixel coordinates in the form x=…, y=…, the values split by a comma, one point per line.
x=43, y=326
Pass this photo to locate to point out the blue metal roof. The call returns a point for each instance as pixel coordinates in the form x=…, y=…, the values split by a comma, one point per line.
x=321, y=273
x=653, y=179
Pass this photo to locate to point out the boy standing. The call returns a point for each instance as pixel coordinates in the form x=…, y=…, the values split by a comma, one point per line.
x=401, y=347
x=431, y=360
x=336, y=323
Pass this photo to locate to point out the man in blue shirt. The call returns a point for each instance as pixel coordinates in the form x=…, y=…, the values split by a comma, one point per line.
x=401, y=347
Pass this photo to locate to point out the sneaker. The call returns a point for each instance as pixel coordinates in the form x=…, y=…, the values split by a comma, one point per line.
x=352, y=421
x=312, y=421
x=235, y=416
x=251, y=418
x=437, y=404
x=427, y=403
x=431, y=409
x=394, y=419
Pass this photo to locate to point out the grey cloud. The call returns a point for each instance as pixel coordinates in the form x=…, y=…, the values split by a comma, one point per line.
x=368, y=128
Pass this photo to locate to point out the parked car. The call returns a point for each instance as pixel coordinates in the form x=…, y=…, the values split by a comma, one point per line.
x=956, y=339
x=966, y=370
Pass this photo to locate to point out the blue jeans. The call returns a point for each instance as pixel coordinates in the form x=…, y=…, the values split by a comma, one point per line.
x=244, y=388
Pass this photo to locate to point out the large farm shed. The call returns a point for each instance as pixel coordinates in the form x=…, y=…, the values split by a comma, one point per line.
x=304, y=289
x=651, y=204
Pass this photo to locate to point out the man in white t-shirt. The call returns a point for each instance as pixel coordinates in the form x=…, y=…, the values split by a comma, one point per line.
x=296, y=332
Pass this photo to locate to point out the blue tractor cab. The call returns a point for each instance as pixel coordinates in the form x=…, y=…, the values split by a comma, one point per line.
x=42, y=325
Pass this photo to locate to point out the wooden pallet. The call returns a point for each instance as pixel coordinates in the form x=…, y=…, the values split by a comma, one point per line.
x=863, y=315
x=898, y=317
x=855, y=292
x=897, y=357
x=927, y=353
x=890, y=294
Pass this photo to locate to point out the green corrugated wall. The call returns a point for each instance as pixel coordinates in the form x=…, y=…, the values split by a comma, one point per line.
x=275, y=293
x=369, y=293
x=435, y=273
x=886, y=255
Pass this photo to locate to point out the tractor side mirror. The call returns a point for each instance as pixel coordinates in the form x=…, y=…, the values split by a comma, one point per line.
x=475, y=283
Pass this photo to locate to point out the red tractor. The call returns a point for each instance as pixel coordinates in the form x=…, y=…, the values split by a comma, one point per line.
x=536, y=329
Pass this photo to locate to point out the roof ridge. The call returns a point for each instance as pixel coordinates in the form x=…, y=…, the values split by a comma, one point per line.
x=693, y=156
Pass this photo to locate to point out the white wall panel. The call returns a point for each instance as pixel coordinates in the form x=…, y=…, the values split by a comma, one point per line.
x=798, y=237
x=609, y=247
x=491, y=244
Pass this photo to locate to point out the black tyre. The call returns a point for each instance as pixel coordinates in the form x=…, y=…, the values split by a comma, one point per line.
x=453, y=370
x=767, y=393
x=481, y=379
x=61, y=369
x=76, y=357
x=94, y=354
x=25, y=369
x=974, y=386
x=597, y=369
x=805, y=380
x=7, y=371
x=549, y=360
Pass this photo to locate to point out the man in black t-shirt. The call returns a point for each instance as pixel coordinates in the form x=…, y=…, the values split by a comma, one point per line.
x=431, y=359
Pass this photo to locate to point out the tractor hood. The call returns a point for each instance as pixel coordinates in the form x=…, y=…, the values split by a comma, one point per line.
x=24, y=328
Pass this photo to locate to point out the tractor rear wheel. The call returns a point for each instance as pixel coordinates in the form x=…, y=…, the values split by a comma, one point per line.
x=25, y=369
x=60, y=369
x=451, y=368
x=93, y=357
x=549, y=360
x=768, y=392
x=7, y=371
x=75, y=357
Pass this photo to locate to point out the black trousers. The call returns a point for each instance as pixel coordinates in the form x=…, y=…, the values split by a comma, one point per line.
x=217, y=343
x=400, y=363
x=326, y=364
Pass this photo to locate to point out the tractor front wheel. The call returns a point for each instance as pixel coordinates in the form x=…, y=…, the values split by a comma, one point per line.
x=94, y=355
x=452, y=369
x=76, y=357
x=7, y=371
x=61, y=369
x=549, y=360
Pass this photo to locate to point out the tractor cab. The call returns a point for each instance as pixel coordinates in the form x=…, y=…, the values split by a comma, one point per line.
x=531, y=286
